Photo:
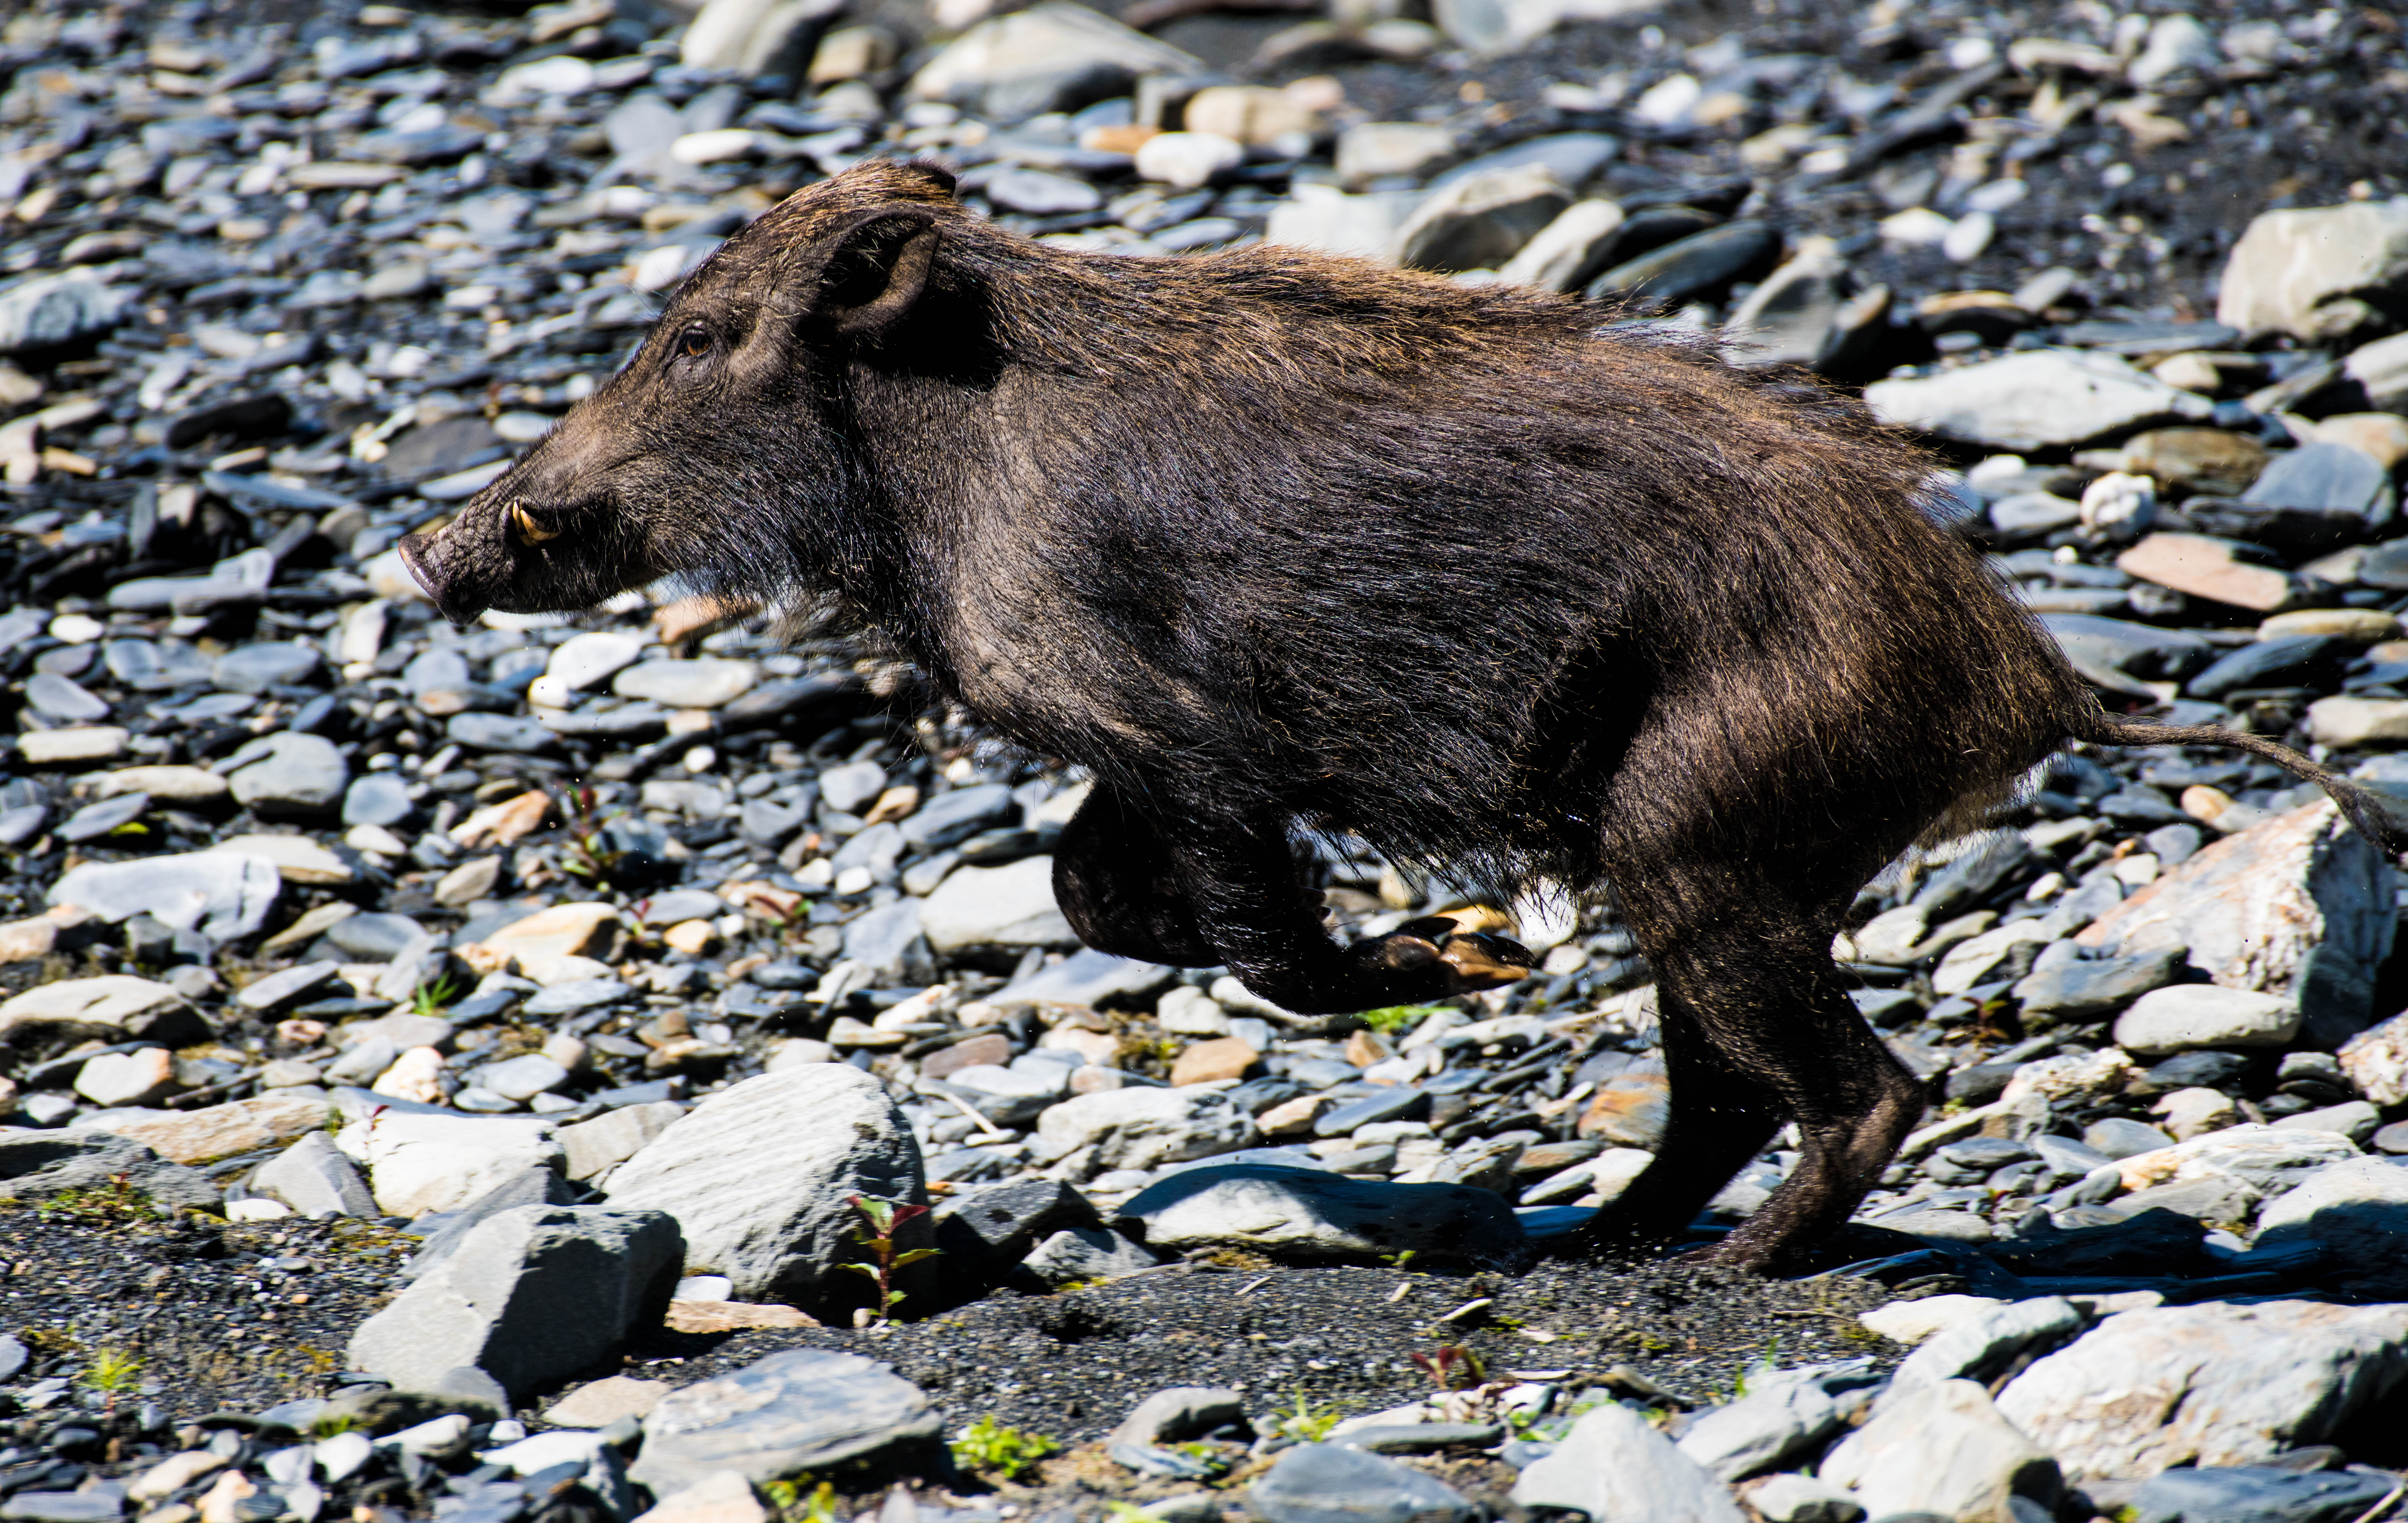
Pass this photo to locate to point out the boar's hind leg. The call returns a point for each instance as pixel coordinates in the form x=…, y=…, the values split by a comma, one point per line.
x=1758, y=1028
x=1117, y=885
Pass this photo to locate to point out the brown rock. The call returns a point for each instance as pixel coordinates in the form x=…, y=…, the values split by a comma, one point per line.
x=693, y=937
x=564, y=930
x=1292, y=1118
x=28, y=941
x=1222, y=1058
x=1628, y=1109
x=2382, y=435
x=1365, y=1048
x=2203, y=459
x=1102, y=1048
x=733, y=1316
x=1127, y=139
x=993, y=1047
x=2299, y=906
x=221, y=1131
x=894, y=804
x=499, y=824
x=2204, y=567
x=698, y=617
x=600, y=1403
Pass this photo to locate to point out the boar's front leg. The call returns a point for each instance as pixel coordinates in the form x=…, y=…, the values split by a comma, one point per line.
x=1118, y=886
x=1216, y=890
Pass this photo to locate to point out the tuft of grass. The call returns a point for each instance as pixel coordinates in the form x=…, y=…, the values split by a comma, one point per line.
x=794, y=1505
x=102, y=1205
x=113, y=1369
x=990, y=1448
x=1307, y=1423
x=1392, y=1018
x=434, y=997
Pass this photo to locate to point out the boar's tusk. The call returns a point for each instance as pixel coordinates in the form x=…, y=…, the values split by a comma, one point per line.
x=530, y=532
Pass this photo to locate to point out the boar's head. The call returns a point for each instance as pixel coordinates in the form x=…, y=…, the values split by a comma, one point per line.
x=718, y=447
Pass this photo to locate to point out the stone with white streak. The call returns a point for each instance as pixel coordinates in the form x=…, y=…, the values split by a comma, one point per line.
x=778, y=1233
x=1146, y=1127
x=2300, y=907
x=418, y=1162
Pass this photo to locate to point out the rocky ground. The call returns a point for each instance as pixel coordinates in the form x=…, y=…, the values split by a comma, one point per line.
x=449, y=1072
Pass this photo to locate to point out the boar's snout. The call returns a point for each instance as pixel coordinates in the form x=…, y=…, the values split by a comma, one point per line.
x=440, y=563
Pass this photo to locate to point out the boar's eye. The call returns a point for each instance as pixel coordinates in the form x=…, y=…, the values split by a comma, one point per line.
x=695, y=342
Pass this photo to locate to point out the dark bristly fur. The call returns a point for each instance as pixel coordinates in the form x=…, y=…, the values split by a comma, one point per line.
x=1271, y=541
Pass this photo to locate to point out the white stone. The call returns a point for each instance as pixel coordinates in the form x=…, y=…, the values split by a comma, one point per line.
x=1326, y=219
x=1557, y=255
x=1949, y=1452
x=2310, y=271
x=614, y=1136
x=102, y=1006
x=135, y=1078
x=1371, y=150
x=1617, y=1469
x=582, y=660
x=223, y=896
x=1187, y=159
x=2269, y=1159
x=419, y=1163
x=1306, y=1214
x=2207, y=1386
x=1045, y=58
x=702, y=682
x=2030, y=400
x=2181, y=1017
x=1912, y=1322
x=1008, y=906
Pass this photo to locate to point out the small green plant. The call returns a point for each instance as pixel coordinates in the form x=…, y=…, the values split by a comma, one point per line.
x=1388, y=1018
x=787, y=1497
x=1452, y=1368
x=879, y=1219
x=326, y=1428
x=588, y=856
x=102, y=1205
x=113, y=1372
x=990, y=1448
x=1307, y=1423
x=434, y=997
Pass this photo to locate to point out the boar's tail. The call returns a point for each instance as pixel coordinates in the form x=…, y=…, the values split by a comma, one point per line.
x=2356, y=801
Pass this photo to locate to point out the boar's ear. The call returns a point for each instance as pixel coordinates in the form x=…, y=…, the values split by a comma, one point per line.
x=873, y=267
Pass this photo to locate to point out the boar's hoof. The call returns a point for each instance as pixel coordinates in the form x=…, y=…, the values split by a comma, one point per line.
x=1427, y=959
x=1482, y=961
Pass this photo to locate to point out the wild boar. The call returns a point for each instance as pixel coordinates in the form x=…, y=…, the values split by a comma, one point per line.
x=1276, y=543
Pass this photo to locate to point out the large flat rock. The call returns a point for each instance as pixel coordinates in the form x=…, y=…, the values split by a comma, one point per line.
x=759, y=1175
